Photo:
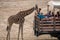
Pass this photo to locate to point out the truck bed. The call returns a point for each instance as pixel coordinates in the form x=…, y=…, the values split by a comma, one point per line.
x=47, y=26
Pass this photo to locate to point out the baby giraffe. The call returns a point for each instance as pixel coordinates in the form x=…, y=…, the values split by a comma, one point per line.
x=18, y=19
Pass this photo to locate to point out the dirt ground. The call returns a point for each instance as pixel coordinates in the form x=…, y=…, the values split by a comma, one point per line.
x=11, y=8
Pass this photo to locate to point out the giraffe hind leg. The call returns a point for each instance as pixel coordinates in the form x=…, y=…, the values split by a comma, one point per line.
x=8, y=31
x=8, y=36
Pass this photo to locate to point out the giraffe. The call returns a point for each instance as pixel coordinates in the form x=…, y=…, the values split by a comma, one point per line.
x=19, y=18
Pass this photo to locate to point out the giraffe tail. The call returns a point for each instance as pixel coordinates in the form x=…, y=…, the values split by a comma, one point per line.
x=7, y=28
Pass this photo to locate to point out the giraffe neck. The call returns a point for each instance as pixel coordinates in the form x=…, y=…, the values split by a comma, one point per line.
x=26, y=12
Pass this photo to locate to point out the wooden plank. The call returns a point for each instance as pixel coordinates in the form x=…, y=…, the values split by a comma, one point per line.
x=47, y=25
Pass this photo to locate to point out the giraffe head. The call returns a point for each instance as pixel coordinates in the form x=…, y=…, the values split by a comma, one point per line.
x=36, y=7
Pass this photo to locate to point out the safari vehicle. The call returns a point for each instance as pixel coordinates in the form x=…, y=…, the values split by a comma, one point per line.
x=50, y=26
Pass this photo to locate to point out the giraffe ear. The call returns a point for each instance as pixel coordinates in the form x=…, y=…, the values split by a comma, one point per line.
x=36, y=6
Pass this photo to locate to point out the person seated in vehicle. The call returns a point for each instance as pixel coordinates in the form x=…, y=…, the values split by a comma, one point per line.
x=53, y=14
x=40, y=15
x=58, y=14
x=48, y=14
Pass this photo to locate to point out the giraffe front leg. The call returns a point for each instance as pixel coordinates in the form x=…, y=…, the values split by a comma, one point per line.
x=22, y=32
x=19, y=32
x=22, y=29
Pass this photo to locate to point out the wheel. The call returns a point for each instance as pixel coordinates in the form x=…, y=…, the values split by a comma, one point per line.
x=58, y=37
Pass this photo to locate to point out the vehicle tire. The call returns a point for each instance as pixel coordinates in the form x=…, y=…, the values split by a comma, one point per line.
x=58, y=37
